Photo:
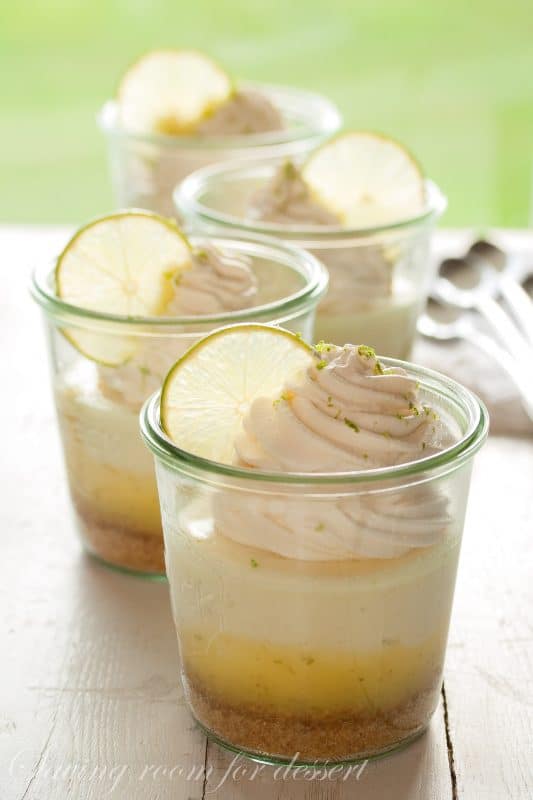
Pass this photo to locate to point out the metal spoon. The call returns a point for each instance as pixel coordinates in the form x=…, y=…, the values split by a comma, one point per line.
x=527, y=285
x=511, y=274
x=445, y=325
x=477, y=292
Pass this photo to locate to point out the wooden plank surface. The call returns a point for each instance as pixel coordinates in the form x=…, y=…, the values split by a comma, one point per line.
x=90, y=705
x=489, y=671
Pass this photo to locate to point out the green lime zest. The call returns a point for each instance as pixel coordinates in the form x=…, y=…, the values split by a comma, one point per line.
x=366, y=352
x=290, y=170
x=351, y=424
x=429, y=412
x=286, y=396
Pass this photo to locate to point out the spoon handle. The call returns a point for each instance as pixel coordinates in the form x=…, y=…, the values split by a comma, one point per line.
x=519, y=302
x=509, y=364
x=505, y=328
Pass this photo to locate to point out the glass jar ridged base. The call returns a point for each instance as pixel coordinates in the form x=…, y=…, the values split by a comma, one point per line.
x=148, y=576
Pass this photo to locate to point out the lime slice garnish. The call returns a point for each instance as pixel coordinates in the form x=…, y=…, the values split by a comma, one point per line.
x=120, y=265
x=171, y=91
x=209, y=390
x=366, y=179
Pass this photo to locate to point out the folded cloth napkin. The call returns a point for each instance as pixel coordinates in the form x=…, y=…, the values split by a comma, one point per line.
x=466, y=364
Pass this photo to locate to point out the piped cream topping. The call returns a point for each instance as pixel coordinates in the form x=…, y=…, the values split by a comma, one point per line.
x=214, y=281
x=246, y=111
x=361, y=273
x=345, y=413
x=287, y=200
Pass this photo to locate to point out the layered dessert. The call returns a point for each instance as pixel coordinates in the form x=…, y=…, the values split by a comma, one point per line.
x=313, y=618
x=176, y=111
x=110, y=473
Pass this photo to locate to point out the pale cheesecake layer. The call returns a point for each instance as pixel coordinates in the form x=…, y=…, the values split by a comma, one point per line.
x=110, y=472
x=359, y=604
x=389, y=327
x=261, y=630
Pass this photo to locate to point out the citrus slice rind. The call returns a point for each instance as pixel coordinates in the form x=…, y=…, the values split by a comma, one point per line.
x=170, y=92
x=108, y=350
x=120, y=265
x=367, y=179
x=209, y=390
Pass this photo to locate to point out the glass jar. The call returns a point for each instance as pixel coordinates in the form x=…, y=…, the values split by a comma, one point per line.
x=110, y=473
x=145, y=168
x=379, y=277
x=290, y=659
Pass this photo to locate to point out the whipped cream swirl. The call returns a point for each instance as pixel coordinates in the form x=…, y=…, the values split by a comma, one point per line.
x=345, y=413
x=214, y=281
x=246, y=111
x=287, y=199
x=361, y=274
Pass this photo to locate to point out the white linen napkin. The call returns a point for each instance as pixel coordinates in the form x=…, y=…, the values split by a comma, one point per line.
x=466, y=364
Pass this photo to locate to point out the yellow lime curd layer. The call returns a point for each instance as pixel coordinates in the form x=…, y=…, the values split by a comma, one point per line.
x=241, y=671
x=110, y=472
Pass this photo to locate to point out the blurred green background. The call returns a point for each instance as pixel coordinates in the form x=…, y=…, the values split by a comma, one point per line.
x=453, y=80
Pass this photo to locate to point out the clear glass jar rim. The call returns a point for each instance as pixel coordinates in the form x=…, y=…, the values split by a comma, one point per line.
x=186, y=201
x=254, y=246
x=322, y=119
x=463, y=450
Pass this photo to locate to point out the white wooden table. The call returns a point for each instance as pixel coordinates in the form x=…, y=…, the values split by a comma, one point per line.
x=89, y=700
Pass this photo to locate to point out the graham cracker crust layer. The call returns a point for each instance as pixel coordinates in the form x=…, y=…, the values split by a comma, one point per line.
x=120, y=546
x=321, y=737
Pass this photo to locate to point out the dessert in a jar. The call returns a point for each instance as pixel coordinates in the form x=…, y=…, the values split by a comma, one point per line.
x=177, y=110
x=312, y=516
x=126, y=298
x=361, y=204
